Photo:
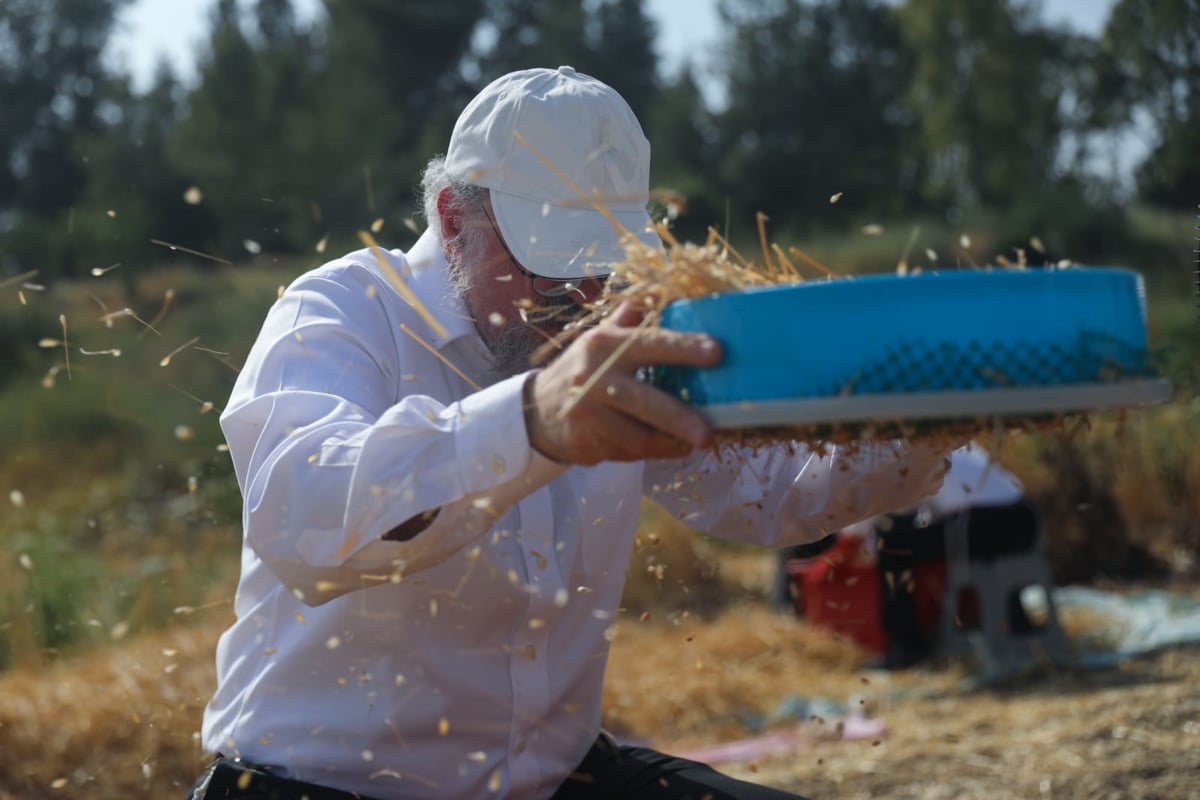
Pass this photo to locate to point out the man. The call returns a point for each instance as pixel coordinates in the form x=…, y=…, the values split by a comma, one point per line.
x=436, y=535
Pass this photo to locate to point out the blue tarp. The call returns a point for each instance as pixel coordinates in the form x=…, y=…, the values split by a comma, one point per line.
x=1121, y=626
x=1131, y=624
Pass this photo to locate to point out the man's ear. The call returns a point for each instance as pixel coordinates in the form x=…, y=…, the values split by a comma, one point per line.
x=449, y=215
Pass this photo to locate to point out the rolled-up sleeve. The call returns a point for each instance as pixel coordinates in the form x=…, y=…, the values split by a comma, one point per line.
x=789, y=494
x=848, y=485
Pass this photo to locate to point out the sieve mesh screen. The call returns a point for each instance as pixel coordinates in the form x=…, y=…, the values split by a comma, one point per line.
x=921, y=366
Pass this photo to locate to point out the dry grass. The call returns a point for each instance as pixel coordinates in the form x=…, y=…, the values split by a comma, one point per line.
x=672, y=570
x=1127, y=733
x=695, y=682
x=697, y=660
x=121, y=722
x=117, y=723
x=649, y=278
x=1119, y=497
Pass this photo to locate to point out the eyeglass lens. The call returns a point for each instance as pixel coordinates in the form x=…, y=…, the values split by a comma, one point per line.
x=546, y=287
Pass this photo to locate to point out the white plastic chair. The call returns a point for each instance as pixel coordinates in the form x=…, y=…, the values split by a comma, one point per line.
x=999, y=644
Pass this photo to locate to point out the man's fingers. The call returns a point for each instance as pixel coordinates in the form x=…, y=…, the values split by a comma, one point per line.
x=657, y=410
x=630, y=440
x=659, y=346
x=618, y=417
x=660, y=445
x=627, y=315
x=656, y=345
x=651, y=346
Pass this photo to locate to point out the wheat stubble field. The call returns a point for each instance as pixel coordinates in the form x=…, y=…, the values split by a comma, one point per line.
x=121, y=721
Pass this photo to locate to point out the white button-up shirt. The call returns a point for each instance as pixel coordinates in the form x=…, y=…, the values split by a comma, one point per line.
x=468, y=661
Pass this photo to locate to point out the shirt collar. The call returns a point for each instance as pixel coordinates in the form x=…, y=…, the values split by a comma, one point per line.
x=427, y=274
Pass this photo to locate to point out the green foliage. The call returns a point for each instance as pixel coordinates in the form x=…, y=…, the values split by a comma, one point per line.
x=623, y=52
x=302, y=132
x=384, y=97
x=1176, y=335
x=51, y=93
x=816, y=108
x=988, y=94
x=242, y=142
x=116, y=564
x=127, y=509
x=536, y=33
x=612, y=40
x=1170, y=174
x=683, y=139
x=1154, y=51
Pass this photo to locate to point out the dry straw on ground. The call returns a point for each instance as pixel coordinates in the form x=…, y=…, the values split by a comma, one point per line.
x=121, y=722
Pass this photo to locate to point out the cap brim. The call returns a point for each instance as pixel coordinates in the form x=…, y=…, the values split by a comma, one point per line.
x=568, y=243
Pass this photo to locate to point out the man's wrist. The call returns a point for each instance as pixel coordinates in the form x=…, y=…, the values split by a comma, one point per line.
x=533, y=425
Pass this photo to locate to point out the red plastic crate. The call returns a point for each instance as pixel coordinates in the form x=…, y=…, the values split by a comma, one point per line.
x=839, y=590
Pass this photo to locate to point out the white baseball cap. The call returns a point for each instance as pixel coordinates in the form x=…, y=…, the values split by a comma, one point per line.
x=588, y=133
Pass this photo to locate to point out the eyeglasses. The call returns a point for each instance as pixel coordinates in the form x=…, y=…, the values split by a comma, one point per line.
x=545, y=287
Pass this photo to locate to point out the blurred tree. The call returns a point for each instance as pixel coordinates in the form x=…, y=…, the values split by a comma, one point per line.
x=392, y=71
x=987, y=92
x=816, y=107
x=130, y=175
x=684, y=148
x=1094, y=107
x=535, y=33
x=242, y=142
x=682, y=129
x=50, y=68
x=612, y=40
x=624, y=51
x=1155, y=50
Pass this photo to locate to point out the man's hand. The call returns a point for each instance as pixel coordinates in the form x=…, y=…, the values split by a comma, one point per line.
x=619, y=418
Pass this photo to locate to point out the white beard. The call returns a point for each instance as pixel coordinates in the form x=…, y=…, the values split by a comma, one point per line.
x=511, y=343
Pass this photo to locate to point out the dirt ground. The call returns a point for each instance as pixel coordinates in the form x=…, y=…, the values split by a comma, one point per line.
x=123, y=722
x=1133, y=732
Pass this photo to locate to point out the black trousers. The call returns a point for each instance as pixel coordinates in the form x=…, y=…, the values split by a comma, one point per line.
x=610, y=771
x=607, y=772
x=227, y=778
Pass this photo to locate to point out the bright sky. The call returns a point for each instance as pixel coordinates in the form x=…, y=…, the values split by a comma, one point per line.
x=151, y=30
